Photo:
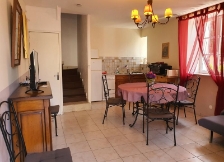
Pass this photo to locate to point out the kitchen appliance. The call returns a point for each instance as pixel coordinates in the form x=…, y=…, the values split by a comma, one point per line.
x=96, y=80
x=159, y=68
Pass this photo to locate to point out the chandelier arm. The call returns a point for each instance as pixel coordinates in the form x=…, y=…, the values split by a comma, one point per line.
x=141, y=25
x=163, y=23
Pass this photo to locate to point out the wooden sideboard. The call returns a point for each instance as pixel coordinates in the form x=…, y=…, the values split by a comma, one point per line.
x=166, y=79
x=34, y=117
x=121, y=79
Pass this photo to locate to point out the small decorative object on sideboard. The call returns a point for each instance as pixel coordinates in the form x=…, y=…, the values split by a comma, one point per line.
x=150, y=77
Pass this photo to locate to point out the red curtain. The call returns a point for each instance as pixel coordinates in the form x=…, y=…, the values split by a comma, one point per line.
x=183, y=39
x=208, y=38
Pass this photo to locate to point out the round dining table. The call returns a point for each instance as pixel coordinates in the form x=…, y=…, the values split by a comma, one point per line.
x=132, y=92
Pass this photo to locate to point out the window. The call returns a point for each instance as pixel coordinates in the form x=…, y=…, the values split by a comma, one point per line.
x=209, y=44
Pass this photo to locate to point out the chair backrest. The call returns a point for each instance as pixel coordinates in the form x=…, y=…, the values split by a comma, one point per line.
x=105, y=87
x=11, y=132
x=192, y=85
x=157, y=95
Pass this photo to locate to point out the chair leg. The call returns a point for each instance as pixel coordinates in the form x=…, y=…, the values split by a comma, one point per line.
x=211, y=137
x=195, y=115
x=105, y=115
x=56, y=127
x=185, y=113
x=174, y=131
x=147, y=129
x=123, y=109
x=131, y=125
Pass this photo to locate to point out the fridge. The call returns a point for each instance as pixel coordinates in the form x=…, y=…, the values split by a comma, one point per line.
x=96, y=80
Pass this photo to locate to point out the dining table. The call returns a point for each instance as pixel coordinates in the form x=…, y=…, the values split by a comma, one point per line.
x=132, y=92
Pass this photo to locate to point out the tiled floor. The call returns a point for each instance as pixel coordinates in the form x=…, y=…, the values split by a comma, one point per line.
x=91, y=141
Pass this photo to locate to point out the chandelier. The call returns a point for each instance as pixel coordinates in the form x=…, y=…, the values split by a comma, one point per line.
x=150, y=17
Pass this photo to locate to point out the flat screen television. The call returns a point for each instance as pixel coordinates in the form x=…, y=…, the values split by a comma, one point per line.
x=34, y=71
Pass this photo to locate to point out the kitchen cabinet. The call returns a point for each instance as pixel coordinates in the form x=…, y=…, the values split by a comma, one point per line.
x=126, y=78
x=166, y=79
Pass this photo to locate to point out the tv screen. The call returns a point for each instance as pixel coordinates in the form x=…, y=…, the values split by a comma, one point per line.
x=34, y=70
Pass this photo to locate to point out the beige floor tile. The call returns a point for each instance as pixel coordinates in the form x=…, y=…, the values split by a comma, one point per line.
x=78, y=137
x=211, y=158
x=116, y=160
x=89, y=128
x=105, y=154
x=111, y=132
x=163, y=142
x=214, y=147
x=90, y=140
x=135, y=137
x=196, y=149
x=142, y=147
x=127, y=130
x=118, y=140
x=136, y=158
x=78, y=147
x=126, y=150
x=178, y=153
x=83, y=157
x=158, y=156
x=106, y=125
x=94, y=135
x=195, y=159
x=58, y=140
x=99, y=144
x=59, y=146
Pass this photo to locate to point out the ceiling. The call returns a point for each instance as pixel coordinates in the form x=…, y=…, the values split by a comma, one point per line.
x=116, y=13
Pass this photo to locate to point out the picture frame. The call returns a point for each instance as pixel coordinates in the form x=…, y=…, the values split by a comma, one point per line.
x=165, y=50
x=17, y=25
x=25, y=37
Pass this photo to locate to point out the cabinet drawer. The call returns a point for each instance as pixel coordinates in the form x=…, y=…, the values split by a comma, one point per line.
x=161, y=79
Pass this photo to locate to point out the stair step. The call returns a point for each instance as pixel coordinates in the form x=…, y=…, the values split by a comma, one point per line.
x=72, y=85
x=73, y=92
x=74, y=98
x=70, y=78
x=70, y=71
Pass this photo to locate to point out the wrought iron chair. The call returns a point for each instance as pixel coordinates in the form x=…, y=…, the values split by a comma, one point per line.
x=112, y=101
x=191, y=86
x=15, y=143
x=157, y=105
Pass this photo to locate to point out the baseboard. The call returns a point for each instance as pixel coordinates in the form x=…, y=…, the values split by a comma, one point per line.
x=79, y=106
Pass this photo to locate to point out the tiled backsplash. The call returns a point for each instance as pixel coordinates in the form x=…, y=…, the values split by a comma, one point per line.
x=121, y=64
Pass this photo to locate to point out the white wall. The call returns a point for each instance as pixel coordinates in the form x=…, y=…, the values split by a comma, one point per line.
x=10, y=77
x=162, y=34
x=69, y=39
x=43, y=19
x=84, y=53
x=114, y=42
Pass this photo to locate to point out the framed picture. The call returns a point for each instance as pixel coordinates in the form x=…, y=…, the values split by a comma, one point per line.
x=165, y=50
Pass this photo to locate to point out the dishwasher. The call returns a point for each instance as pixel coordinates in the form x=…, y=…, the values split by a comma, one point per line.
x=111, y=85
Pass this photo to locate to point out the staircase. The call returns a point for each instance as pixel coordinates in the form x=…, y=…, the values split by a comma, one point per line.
x=73, y=90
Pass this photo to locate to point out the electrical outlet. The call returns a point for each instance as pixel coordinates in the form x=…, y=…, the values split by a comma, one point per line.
x=210, y=106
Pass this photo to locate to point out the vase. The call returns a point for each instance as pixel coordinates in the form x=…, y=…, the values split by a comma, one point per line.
x=150, y=81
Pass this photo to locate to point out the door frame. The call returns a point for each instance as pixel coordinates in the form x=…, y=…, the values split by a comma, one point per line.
x=61, y=110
